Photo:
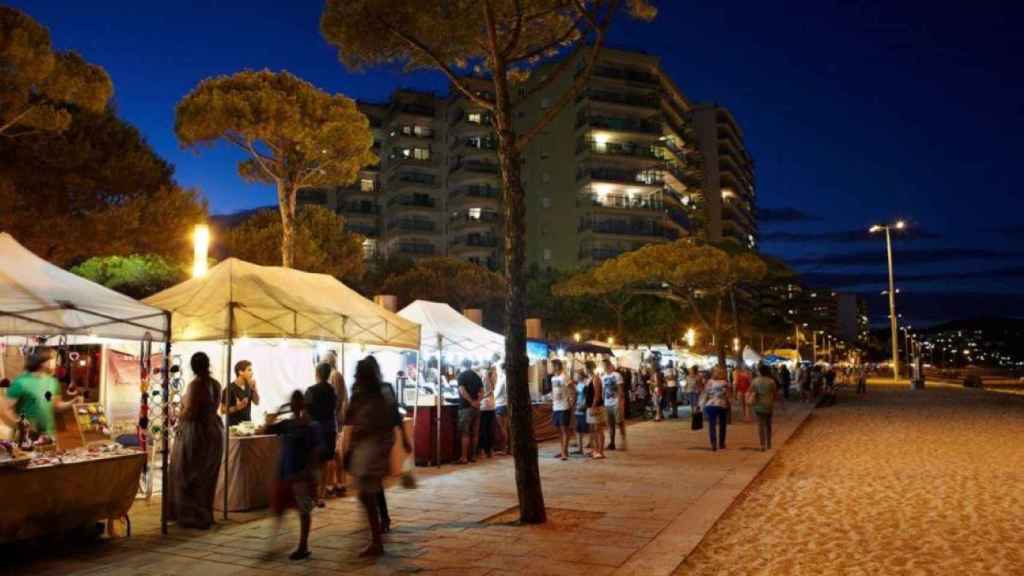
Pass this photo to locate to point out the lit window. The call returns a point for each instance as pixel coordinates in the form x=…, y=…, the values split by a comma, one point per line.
x=475, y=118
x=421, y=153
x=474, y=213
x=366, y=185
x=547, y=254
x=546, y=202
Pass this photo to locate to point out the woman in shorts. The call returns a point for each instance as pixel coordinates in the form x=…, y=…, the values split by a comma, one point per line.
x=596, y=417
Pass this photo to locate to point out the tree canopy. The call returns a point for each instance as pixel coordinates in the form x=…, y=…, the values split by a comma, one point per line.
x=609, y=283
x=95, y=189
x=39, y=85
x=137, y=275
x=295, y=135
x=456, y=282
x=322, y=244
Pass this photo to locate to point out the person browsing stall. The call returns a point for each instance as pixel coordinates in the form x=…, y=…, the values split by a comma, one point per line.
x=240, y=395
x=470, y=389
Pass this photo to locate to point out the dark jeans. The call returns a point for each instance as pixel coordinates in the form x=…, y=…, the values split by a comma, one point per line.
x=764, y=429
x=785, y=390
x=382, y=507
x=486, y=442
x=862, y=386
x=716, y=416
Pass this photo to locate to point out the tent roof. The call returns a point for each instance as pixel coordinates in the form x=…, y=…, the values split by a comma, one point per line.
x=40, y=299
x=275, y=302
x=440, y=320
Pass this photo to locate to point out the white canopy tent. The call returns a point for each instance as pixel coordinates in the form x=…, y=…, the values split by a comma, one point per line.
x=278, y=317
x=40, y=299
x=445, y=333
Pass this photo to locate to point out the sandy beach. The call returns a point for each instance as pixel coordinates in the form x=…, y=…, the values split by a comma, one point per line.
x=897, y=482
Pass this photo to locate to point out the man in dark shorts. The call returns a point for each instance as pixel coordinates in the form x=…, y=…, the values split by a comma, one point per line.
x=470, y=389
x=322, y=406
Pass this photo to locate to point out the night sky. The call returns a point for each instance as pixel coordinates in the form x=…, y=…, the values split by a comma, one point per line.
x=855, y=113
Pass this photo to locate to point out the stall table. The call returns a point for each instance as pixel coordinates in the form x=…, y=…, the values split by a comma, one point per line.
x=253, y=469
x=59, y=497
x=426, y=432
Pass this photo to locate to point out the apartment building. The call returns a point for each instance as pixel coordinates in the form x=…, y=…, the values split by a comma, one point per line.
x=618, y=168
x=729, y=185
x=611, y=172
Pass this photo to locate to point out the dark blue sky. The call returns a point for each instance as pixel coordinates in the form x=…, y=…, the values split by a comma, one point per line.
x=854, y=111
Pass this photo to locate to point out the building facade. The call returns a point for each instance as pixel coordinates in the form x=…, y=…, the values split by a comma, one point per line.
x=618, y=168
x=730, y=199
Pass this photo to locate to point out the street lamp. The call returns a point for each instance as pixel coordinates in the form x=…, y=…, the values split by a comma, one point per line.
x=577, y=337
x=898, y=225
x=200, y=249
x=691, y=337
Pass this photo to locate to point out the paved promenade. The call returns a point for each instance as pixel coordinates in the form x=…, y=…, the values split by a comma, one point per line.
x=897, y=482
x=637, y=512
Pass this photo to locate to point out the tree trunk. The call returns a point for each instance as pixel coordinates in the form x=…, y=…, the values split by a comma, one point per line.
x=524, y=445
x=286, y=206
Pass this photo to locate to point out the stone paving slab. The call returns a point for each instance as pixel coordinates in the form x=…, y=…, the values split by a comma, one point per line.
x=640, y=511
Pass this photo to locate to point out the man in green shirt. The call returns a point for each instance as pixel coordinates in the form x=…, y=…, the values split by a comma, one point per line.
x=35, y=394
x=764, y=391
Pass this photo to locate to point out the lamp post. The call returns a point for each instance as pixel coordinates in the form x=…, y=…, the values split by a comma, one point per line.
x=200, y=249
x=898, y=225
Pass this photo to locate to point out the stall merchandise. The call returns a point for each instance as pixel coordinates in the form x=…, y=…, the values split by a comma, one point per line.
x=282, y=319
x=60, y=491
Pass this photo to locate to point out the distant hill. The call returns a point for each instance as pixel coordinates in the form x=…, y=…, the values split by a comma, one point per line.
x=988, y=325
x=232, y=219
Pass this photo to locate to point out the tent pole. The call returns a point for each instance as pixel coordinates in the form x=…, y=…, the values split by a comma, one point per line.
x=416, y=406
x=227, y=407
x=440, y=398
x=166, y=390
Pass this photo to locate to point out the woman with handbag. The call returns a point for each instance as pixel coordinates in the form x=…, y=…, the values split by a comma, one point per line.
x=715, y=403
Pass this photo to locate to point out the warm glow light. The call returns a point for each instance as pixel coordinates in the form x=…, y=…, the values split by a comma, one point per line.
x=736, y=344
x=691, y=337
x=201, y=247
x=900, y=224
x=577, y=336
x=611, y=340
x=875, y=228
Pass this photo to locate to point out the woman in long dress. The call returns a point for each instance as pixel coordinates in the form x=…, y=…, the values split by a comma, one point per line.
x=198, y=450
x=372, y=419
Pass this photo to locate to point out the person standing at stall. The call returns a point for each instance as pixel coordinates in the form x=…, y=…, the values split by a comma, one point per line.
x=501, y=408
x=35, y=394
x=336, y=472
x=487, y=413
x=322, y=406
x=240, y=395
x=470, y=389
x=198, y=449
x=596, y=414
x=580, y=408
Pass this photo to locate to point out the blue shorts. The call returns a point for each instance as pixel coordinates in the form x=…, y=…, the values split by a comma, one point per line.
x=501, y=410
x=561, y=418
x=581, y=423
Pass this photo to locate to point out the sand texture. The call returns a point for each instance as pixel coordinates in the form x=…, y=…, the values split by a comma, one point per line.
x=897, y=482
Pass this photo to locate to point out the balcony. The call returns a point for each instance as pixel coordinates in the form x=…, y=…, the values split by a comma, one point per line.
x=409, y=180
x=599, y=254
x=411, y=225
x=471, y=120
x=475, y=191
x=626, y=75
x=618, y=149
x=476, y=145
x=474, y=241
x=416, y=249
x=620, y=124
x=650, y=101
x=476, y=166
x=359, y=208
x=647, y=228
x=419, y=201
x=366, y=229
x=630, y=177
x=651, y=203
x=474, y=217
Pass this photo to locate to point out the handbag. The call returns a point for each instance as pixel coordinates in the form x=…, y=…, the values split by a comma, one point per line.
x=696, y=420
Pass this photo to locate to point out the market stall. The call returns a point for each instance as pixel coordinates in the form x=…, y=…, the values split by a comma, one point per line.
x=69, y=482
x=446, y=337
x=283, y=321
